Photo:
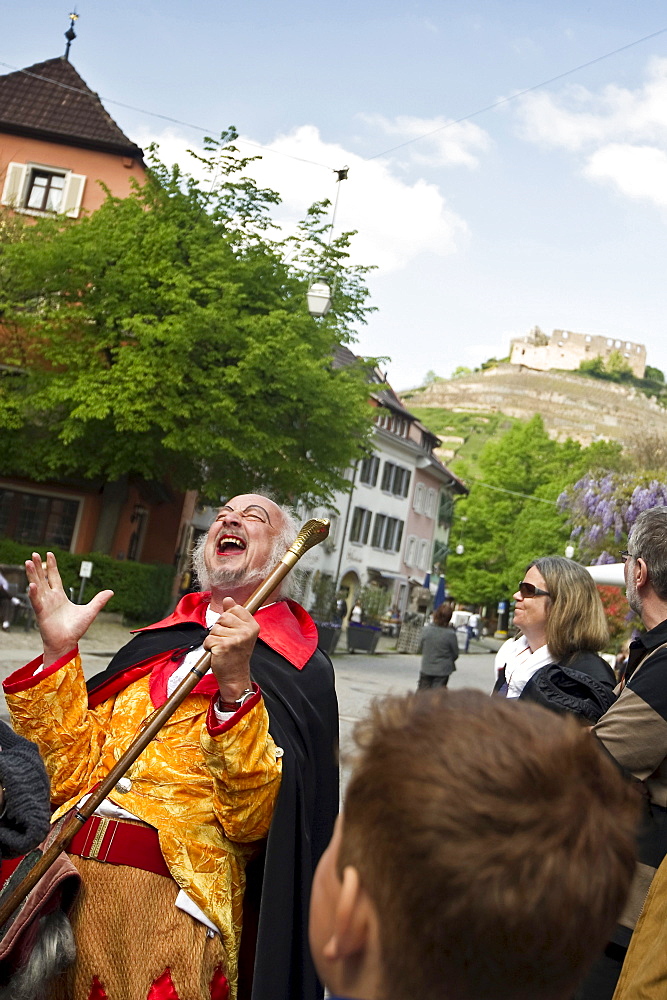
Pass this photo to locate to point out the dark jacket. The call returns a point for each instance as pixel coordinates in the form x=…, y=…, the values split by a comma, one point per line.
x=634, y=734
x=582, y=685
x=27, y=797
x=439, y=650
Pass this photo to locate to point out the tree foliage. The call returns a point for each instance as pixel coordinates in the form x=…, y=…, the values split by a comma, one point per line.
x=614, y=369
x=166, y=336
x=512, y=511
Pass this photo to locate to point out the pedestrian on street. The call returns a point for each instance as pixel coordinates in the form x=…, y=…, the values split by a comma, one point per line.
x=8, y=603
x=472, y=628
x=440, y=649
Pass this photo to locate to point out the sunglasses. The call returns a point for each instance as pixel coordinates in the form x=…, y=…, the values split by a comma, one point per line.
x=530, y=590
x=625, y=555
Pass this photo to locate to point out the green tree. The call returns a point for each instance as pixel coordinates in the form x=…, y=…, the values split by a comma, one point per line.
x=655, y=374
x=614, y=369
x=512, y=511
x=166, y=336
x=593, y=366
x=617, y=366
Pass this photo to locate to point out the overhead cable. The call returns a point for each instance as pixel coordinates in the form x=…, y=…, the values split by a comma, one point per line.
x=425, y=135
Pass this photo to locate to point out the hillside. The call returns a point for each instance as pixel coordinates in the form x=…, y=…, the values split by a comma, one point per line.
x=467, y=411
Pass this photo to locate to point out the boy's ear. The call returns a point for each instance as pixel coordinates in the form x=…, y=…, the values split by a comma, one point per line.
x=353, y=920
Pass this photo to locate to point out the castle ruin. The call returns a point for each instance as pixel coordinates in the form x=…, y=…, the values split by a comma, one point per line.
x=566, y=350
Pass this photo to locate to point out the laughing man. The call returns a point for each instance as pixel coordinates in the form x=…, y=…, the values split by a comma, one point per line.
x=218, y=826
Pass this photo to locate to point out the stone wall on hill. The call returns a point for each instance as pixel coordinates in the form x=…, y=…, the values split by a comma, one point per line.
x=584, y=409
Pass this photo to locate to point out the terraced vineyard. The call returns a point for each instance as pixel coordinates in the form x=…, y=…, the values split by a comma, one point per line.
x=466, y=412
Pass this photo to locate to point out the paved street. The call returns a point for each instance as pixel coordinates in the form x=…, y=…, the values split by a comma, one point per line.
x=359, y=677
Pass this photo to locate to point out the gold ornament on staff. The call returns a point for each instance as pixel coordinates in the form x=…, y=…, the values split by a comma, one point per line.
x=312, y=533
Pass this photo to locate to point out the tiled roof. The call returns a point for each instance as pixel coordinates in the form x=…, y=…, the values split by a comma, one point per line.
x=50, y=101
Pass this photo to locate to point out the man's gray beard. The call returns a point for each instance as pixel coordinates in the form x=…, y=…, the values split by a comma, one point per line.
x=632, y=597
x=222, y=577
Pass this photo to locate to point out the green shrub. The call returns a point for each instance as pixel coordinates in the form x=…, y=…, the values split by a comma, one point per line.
x=142, y=591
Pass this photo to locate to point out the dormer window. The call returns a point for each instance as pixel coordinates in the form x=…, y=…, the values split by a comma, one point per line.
x=36, y=189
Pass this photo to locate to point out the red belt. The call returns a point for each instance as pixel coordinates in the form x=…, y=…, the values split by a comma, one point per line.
x=119, y=843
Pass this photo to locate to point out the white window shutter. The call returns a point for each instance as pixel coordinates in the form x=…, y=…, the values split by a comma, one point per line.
x=14, y=181
x=72, y=195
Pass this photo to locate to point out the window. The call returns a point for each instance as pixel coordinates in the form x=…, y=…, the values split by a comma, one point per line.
x=361, y=523
x=429, y=507
x=36, y=519
x=401, y=482
x=378, y=531
x=418, y=502
x=34, y=188
x=45, y=191
x=395, y=479
x=393, y=534
x=423, y=554
x=387, y=533
x=410, y=550
x=370, y=467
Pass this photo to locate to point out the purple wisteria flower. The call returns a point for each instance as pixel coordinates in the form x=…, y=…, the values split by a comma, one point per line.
x=603, y=509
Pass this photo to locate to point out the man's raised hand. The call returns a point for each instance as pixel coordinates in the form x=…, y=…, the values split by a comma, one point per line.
x=61, y=623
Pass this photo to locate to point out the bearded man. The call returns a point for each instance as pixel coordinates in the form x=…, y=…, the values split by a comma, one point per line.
x=196, y=869
x=634, y=732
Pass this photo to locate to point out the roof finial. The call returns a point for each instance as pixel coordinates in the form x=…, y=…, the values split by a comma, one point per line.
x=70, y=34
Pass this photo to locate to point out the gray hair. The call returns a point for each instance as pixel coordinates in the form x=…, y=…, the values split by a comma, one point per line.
x=648, y=541
x=53, y=951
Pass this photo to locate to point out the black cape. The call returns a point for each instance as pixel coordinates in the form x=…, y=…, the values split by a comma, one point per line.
x=303, y=720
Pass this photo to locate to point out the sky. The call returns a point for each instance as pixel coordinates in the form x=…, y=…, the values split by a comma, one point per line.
x=520, y=203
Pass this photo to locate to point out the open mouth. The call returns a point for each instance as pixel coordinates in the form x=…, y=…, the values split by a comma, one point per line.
x=230, y=545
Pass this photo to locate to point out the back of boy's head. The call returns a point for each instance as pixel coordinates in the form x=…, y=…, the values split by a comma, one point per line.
x=495, y=840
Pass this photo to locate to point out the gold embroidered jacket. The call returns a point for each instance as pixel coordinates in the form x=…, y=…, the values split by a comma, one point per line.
x=209, y=789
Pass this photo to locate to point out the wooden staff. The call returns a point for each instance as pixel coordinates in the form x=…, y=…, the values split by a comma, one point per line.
x=313, y=532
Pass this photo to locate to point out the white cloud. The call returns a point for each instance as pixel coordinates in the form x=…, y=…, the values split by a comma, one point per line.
x=442, y=143
x=579, y=118
x=618, y=134
x=396, y=220
x=636, y=171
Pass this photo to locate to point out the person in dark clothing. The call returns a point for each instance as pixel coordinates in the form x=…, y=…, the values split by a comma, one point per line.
x=634, y=733
x=440, y=649
x=24, y=795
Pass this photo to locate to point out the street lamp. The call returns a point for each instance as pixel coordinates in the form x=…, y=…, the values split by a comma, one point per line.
x=318, y=297
x=460, y=548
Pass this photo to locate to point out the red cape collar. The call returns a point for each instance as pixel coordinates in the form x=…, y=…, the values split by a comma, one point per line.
x=285, y=626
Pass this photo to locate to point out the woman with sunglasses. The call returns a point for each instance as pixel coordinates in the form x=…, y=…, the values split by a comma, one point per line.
x=554, y=660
